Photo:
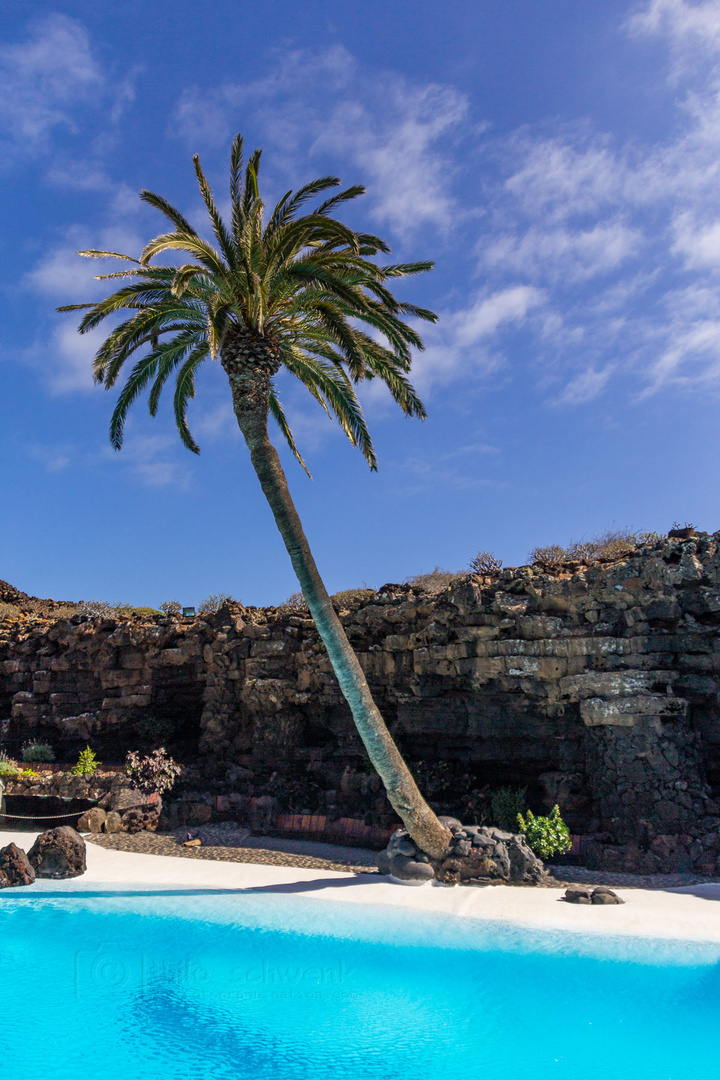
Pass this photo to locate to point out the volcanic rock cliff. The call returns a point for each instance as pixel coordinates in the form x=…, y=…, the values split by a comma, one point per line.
x=596, y=685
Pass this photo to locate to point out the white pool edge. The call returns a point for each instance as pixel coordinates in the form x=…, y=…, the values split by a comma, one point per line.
x=690, y=913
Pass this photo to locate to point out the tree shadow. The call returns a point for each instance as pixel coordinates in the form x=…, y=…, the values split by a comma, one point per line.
x=709, y=891
x=29, y=892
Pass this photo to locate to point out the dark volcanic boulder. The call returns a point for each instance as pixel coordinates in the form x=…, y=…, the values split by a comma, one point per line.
x=476, y=855
x=582, y=894
x=92, y=820
x=15, y=867
x=142, y=818
x=58, y=853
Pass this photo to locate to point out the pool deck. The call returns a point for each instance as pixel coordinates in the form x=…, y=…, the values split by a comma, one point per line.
x=688, y=912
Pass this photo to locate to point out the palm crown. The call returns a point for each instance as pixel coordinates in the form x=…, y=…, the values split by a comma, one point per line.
x=305, y=285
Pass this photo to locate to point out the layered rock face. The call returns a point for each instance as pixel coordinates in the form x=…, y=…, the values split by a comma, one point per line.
x=597, y=686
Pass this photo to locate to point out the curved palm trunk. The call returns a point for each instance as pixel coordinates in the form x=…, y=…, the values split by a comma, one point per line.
x=402, y=791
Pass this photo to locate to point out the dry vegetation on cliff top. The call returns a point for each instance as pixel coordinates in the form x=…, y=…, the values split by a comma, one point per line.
x=553, y=559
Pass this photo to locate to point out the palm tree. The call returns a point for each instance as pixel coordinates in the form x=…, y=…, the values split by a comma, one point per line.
x=300, y=292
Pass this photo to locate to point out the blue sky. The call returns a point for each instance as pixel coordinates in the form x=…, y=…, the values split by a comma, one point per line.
x=559, y=162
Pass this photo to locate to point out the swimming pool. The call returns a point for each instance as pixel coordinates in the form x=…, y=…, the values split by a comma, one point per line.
x=259, y=985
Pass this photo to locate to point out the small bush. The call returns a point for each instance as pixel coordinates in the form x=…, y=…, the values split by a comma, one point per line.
x=37, y=751
x=505, y=805
x=87, y=763
x=294, y=605
x=64, y=611
x=143, y=612
x=435, y=582
x=612, y=544
x=7, y=766
x=349, y=598
x=546, y=836
x=97, y=609
x=155, y=773
x=212, y=603
x=9, y=611
x=155, y=730
x=552, y=555
x=171, y=607
x=485, y=563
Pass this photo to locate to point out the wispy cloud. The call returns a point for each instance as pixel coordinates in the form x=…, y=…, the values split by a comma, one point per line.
x=156, y=460
x=468, y=343
x=396, y=134
x=42, y=82
x=615, y=232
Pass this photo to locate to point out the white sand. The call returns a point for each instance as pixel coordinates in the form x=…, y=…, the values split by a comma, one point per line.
x=688, y=913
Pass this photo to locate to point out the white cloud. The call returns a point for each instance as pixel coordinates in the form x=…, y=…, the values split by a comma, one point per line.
x=623, y=236
x=561, y=177
x=699, y=244
x=319, y=102
x=43, y=80
x=585, y=387
x=62, y=355
x=157, y=460
x=463, y=343
x=682, y=23
x=575, y=254
x=407, y=174
x=66, y=360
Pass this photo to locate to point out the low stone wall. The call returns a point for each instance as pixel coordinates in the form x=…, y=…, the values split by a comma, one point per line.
x=597, y=686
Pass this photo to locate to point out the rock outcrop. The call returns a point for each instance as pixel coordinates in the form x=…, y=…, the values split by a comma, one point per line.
x=477, y=856
x=594, y=685
x=58, y=853
x=15, y=867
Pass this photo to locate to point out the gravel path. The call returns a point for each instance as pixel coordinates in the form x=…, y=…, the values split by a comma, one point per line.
x=582, y=876
x=237, y=845
x=226, y=848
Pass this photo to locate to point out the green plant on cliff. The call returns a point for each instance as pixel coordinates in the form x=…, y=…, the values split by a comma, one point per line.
x=505, y=805
x=37, y=751
x=546, y=836
x=290, y=290
x=87, y=763
x=7, y=766
x=153, y=774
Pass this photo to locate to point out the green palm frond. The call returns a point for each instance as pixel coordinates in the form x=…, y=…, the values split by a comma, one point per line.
x=305, y=281
x=276, y=411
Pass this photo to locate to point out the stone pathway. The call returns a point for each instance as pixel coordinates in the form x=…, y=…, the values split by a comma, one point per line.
x=236, y=845
x=355, y=860
x=579, y=875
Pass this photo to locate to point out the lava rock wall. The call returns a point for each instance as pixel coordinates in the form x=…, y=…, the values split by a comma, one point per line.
x=596, y=685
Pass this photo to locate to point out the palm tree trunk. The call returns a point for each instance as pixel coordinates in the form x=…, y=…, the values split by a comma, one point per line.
x=402, y=791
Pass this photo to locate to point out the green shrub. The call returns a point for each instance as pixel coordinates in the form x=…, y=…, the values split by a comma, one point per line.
x=37, y=751
x=8, y=767
x=144, y=612
x=546, y=836
x=505, y=805
x=87, y=763
x=155, y=730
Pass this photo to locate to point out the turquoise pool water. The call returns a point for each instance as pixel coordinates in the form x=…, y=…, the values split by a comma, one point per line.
x=183, y=986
